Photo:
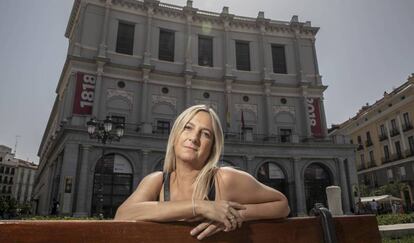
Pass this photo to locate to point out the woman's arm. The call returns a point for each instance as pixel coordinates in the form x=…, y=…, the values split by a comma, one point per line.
x=261, y=201
x=142, y=205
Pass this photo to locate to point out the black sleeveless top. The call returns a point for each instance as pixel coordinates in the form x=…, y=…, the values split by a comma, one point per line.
x=166, y=182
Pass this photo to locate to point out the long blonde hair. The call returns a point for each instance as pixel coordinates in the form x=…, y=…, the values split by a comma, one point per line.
x=206, y=175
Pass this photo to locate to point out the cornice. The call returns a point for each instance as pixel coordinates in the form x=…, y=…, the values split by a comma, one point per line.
x=72, y=19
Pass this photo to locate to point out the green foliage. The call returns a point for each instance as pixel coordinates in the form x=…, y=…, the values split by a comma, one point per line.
x=404, y=239
x=386, y=219
x=389, y=189
x=11, y=208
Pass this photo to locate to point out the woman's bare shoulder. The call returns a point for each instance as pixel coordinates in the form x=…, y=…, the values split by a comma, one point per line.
x=153, y=178
x=230, y=175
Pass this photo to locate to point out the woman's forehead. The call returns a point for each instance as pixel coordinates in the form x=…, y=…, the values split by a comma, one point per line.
x=202, y=118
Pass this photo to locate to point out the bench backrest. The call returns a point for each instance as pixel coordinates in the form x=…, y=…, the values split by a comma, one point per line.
x=350, y=229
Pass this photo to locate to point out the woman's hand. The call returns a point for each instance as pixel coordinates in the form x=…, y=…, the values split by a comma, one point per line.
x=222, y=212
x=206, y=229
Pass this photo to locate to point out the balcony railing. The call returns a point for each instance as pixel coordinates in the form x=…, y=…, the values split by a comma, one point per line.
x=409, y=152
x=394, y=132
x=368, y=143
x=361, y=167
x=382, y=137
x=360, y=147
x=372, y=164
x=397, y=156
x=385, y=160
x=407, y=127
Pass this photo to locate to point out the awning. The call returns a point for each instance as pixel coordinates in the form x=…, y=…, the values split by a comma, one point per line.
x=382, y=198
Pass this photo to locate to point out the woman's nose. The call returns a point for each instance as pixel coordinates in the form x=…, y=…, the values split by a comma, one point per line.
x=194, y=137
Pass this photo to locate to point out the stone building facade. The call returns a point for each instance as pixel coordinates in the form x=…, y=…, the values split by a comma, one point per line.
x=143, y=62
x=384, y=138
x=16, y=176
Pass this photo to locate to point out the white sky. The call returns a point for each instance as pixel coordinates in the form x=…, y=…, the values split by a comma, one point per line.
x=364, y=48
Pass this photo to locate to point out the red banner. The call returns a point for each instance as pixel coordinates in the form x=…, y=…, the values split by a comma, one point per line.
x=314, y=117
x=85, y=90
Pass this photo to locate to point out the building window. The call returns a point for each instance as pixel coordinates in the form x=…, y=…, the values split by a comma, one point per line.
x=247, y=133
x=163, y=127
x=393, y=124
x=398, y=149
x=285, y=135
x=386, y=153
x=383, y=134
x=5, y=180
x=2, y=169
x=369, y=141
x=359, y=140
x=11, y=180
x=371, y=157
x=7, y=170
x=125, y=38
x=242, y=55
x=406, y=119
x=402, y=172
x=407, y=123
x=411, y=144
x=362, y=159
x=390, y=175
x=205, y=51
x=12, y=171
x=1, y=159
x=166, y=45
x=279, y=59
x=118, y=120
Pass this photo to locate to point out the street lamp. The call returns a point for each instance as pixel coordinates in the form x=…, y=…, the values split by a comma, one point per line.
x=103, y=132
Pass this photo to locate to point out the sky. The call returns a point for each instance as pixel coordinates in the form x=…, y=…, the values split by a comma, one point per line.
x=363, y=48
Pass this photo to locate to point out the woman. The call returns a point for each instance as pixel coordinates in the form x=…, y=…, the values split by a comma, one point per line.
x=192, y=186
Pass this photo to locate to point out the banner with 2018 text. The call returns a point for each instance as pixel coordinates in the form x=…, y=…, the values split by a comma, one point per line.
x=314, y=113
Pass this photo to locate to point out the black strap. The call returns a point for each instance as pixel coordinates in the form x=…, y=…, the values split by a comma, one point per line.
x=166, y=183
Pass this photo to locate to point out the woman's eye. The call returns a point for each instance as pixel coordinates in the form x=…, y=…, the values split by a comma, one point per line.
x=207, y=134
x=187, y=127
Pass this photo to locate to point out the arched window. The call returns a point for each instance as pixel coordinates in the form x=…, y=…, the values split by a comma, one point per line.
x=272, y=175
x=159, y=166
x=317, y=179
x=112, y=184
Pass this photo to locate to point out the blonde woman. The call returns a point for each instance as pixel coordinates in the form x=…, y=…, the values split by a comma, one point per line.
x=193, y=188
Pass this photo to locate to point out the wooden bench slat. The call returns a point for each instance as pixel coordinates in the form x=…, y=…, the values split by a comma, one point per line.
x=349, y=229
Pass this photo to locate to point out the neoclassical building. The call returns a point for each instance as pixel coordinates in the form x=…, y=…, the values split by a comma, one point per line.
x=384, y=137
x=143, y=62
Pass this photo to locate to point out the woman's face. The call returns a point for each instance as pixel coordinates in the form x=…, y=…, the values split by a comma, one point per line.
x=195, y=142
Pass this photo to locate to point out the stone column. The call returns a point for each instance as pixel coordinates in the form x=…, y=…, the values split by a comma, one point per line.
x=344, y=186
x=323, y=118
x=402, y=138
x=81, y=207
x=188, y=12
x=146, y=124
x=145, y=166
x=103, y=45
x=391, y=147
x=306, y=110
x=299, y=188
x=315, y=60
x=294, y=23
x=150, y=5
x=226, y=19
x=229, y=105
x=188, y=89
x=268, y=108
x=98, y=88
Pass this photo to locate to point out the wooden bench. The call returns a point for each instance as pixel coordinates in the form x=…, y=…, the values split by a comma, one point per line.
x=349, y=229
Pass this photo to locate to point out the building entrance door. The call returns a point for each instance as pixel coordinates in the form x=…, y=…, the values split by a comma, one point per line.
x=316, y=181
x=112, y=184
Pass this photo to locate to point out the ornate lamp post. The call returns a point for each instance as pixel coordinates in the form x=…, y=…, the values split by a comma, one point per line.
x=103, y=132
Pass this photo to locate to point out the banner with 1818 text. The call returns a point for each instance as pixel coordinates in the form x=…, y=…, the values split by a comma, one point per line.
x=85, y=90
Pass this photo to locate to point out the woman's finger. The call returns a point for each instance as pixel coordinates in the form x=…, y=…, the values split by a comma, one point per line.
x=199, y=228
x=237, y=205
x=237, y=217
x=211, y=229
